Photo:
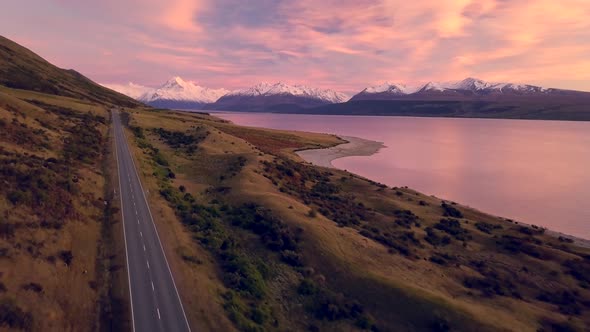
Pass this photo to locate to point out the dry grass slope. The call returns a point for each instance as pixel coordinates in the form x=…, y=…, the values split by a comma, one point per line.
x=297, y=247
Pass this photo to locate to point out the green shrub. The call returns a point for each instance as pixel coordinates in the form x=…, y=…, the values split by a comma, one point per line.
x=307, y=287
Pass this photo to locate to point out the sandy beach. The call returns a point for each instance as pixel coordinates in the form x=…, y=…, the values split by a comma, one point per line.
x=354, y=146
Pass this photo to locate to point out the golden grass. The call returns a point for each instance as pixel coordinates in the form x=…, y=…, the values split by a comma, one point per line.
x=354, y=263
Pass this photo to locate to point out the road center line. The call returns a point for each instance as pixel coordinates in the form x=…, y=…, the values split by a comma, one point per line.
x=148, y=265
x=140, y=234
x=158, y=309
x=153, y=286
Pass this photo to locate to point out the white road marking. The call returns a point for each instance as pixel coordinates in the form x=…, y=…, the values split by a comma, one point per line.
x=153, y=286
x=140, y=234
x=124, y=147
x=148, y=265
x=144, y=250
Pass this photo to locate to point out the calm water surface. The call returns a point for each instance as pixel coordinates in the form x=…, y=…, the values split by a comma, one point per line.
x=537, y=172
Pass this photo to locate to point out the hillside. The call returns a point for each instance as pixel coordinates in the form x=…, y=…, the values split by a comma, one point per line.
x=60, y=262
x=22, y=69
x=289, y=246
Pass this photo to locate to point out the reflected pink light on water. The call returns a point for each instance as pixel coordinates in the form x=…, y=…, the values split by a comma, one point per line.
x=533, y=171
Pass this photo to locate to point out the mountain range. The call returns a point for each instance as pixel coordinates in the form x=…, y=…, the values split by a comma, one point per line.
x=467, y=89
x=179, y=93
x=470, y=97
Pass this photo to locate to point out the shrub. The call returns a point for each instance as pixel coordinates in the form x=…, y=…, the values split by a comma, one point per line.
x=492, y=284
x=66, y=256
x=453, y=227
x=451, y=211
x=13, y=316
x=486, y=227
x=567, y=301
x=34, y=287
x=436, y=240
x=307, y=287
x=405, y=218
x=6, y=229
x=291, y=257
x=332, y=307
x=442, y=258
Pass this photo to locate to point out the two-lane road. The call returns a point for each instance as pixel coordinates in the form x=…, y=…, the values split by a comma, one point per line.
x=155, y=302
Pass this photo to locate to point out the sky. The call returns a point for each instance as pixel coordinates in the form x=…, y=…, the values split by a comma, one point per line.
x=345, y=45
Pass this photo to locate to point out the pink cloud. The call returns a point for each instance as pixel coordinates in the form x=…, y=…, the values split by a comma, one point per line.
x=344, y=44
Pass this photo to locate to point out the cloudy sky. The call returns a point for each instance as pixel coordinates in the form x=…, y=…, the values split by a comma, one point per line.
x=344, y=44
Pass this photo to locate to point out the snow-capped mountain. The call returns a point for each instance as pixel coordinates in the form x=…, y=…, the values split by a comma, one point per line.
x=386, y=91
x=175, y=93
x=179, y=90
x=464, y=89
x=130, y=89
x=280, y=88
x=265, y=96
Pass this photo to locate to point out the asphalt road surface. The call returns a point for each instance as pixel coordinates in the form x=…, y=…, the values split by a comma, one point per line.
x=155, y=302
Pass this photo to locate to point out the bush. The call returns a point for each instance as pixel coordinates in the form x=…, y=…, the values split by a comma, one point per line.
x=568, y=302
x=34, y=287
x=307, y=287
x=291, y=257
x=66, y=256
x=436, y=240
x=442, y=259
x=486, y=227
x=14, y=317
x=453, y=227
x=492, y=284
x=6, y=229
x=451, y=211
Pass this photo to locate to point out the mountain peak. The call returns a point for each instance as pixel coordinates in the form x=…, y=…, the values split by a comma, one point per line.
x=175, y=81
x=281, y=88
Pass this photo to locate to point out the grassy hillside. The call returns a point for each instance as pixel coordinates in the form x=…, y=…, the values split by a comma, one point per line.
x=60, y=259
x=51, y=151
x=22, y=69
x=289, y=246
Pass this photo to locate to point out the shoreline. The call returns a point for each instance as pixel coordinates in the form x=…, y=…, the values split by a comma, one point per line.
x=353, y=146
x=356, y=146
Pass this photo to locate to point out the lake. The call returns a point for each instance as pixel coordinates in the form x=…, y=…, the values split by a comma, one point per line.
x=537, y=172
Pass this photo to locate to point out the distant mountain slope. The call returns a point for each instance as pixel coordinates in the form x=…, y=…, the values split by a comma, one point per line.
x=178, y=93
x=469, y=89
x=264, y=96
x=22, y=69
x=174, y=93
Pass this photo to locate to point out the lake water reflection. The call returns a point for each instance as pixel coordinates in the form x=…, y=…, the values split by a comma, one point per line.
x=534, y=171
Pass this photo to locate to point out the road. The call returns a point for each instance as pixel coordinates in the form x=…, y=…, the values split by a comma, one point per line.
x=155, y=302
